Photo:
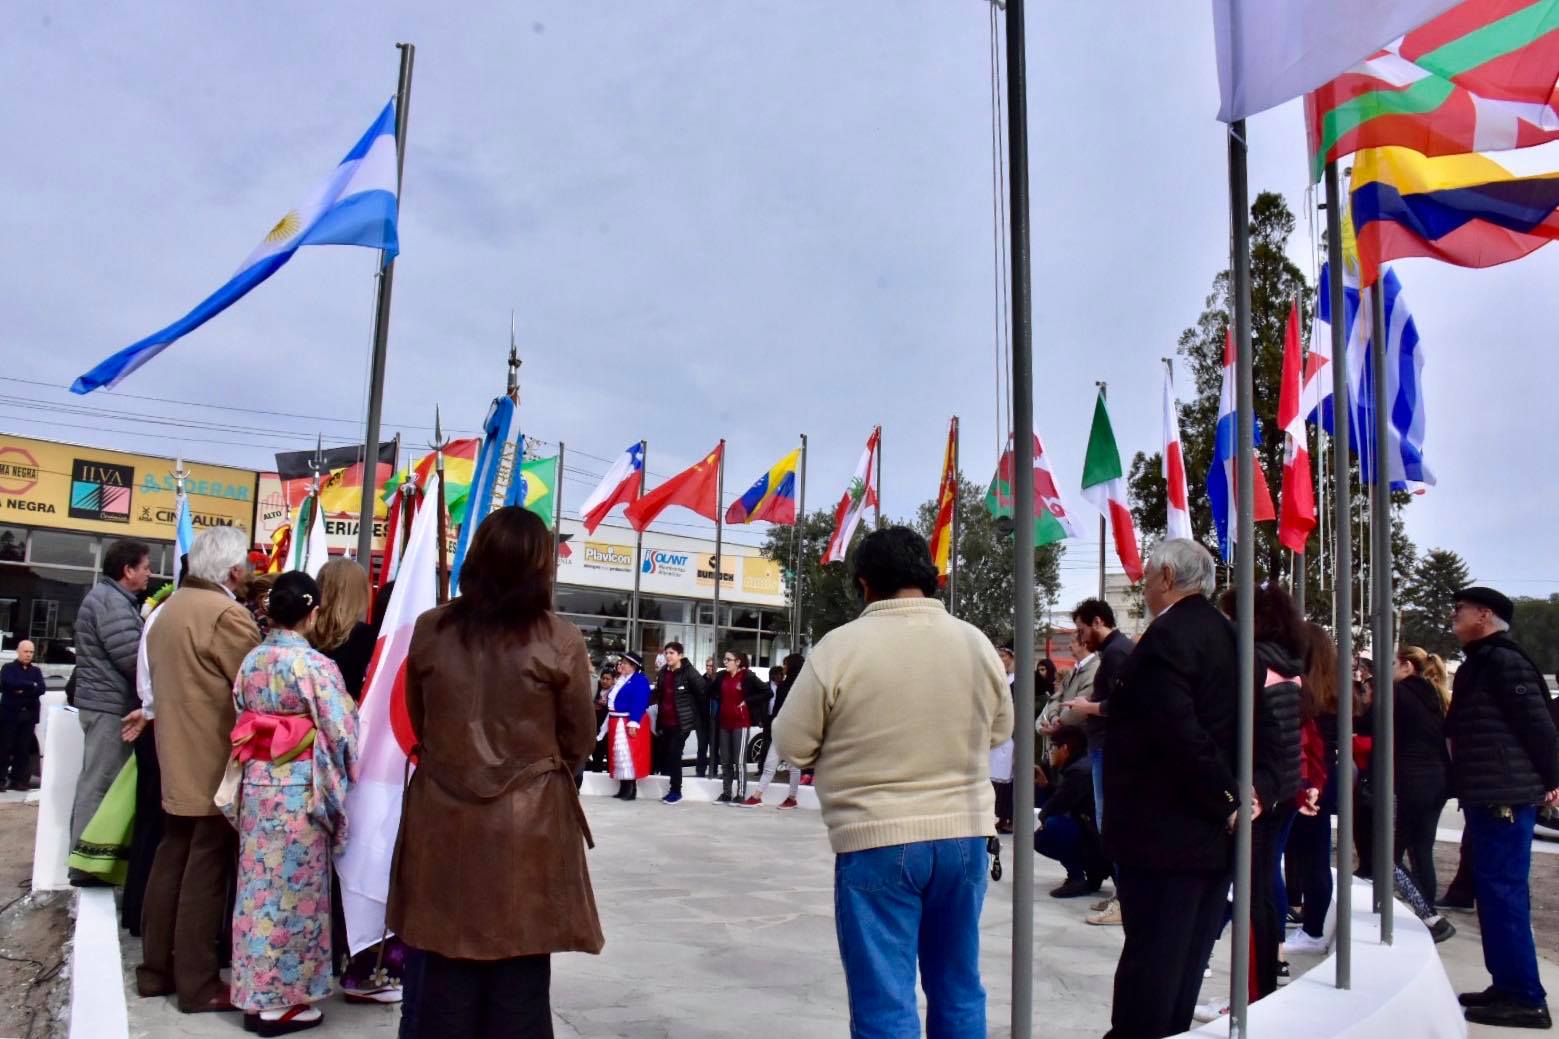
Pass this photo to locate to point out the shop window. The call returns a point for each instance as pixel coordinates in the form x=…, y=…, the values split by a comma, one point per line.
x=63, y=549
x=13, y=544
x=592, y=601
x=43, y=601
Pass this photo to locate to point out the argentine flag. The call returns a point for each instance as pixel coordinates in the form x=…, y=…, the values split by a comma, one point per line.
x=355, y=206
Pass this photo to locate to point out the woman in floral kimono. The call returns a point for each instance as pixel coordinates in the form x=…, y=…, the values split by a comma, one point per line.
x=296, y=743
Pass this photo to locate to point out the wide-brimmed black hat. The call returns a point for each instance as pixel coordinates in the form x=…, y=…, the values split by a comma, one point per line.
x=633, y=658
x=1489, y=599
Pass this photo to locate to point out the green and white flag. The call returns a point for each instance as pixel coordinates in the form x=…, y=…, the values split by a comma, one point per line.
x=1104, y=485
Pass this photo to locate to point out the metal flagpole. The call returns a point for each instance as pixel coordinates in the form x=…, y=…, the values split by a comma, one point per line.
x=1103, y=534
x=1342, y=583
x=879, y=479
x=1382, y=766
x=801, y=517
x=1299, y=557
x=1244, y=579
x=719, y=543
x=365, y=524
x=1023, y=529
x=638, y=555
x=557, y=522
x=440, y=441
x=952, y=550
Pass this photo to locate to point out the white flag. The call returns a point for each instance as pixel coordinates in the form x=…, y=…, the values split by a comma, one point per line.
x=1271, y=51
x=373, y=804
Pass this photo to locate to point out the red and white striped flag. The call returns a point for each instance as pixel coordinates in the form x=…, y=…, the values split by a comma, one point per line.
x=385, y=739
x=1179, y=509
x=1297, y=518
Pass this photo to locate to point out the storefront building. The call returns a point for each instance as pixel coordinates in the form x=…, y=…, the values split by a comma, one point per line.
x=676, y=595
x=61, y=505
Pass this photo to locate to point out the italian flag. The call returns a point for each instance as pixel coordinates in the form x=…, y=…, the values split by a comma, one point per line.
x=1104, y=485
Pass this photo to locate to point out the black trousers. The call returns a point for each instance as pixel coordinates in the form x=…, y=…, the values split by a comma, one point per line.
x=1171, y=919
x=1266, y=916
x=16, y=748
x=148, y=828
x=668, y=756
x=484, y=999
x=1418, y=817
x=1003, y=802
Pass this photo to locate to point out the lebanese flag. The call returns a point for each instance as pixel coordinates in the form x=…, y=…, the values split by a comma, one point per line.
x=860, y=495
x=385, y=739
x=621, y=487
x=696, y=488
x=1297, y=519
x=1179, y=509
x=1104, y=485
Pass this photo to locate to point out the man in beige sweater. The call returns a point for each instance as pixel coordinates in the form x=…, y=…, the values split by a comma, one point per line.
x=898, y=711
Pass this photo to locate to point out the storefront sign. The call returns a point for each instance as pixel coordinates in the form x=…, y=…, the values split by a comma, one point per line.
x=669, y=565
x=599, y=555
x=275, y=510
x=706, y=571
x=761, y=576
x=65, y=487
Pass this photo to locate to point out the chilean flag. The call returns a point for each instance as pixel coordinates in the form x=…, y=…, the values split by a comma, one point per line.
x=622, y=486
x=1298, y=516
x=1179, y=518
x=1220, y=478
x=385, y=739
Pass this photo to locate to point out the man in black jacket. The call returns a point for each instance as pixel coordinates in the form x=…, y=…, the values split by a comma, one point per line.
x=679, y=692
x=1067, y=830
x=1504, y=763
x=1095, y=620
x=21, y=691
x=1170, y=798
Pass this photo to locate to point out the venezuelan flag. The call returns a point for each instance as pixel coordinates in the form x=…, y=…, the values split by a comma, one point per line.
x=1462, y=209
x=772, y=497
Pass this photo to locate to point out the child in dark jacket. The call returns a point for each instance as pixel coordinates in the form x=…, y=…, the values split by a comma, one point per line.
x=1068, y=831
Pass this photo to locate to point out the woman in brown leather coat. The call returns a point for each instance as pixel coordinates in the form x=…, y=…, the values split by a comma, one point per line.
x=489, y=877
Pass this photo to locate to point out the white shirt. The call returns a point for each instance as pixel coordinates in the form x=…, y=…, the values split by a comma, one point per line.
x=143, y=667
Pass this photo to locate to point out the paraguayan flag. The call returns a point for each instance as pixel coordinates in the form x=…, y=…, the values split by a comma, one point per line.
x=355, y=206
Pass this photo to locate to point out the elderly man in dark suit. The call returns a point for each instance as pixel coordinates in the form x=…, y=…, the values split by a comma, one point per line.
x=1170, y=796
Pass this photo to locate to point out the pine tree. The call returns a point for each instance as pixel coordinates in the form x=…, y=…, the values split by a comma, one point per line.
x=1427, y=599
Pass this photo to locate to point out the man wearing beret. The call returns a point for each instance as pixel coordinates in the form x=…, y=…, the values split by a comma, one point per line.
x=1504, y=764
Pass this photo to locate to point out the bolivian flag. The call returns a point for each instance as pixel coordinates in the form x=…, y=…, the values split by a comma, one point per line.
x=459, y=464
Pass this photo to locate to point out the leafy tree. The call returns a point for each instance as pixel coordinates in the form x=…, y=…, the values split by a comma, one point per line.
x=827, y=600
x=985, y=596
x=1427, y=599
x=984, y=576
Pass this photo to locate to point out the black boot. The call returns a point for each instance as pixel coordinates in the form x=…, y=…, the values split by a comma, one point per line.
x=623, y=786
x=633, y=790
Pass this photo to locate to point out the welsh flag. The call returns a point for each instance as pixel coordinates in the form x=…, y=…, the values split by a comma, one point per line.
x=1104, y=485
x=1052, y=519
x=860, y=495
x=385, y=739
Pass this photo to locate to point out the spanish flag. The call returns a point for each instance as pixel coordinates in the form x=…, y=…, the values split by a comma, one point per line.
x=946, y=503
x=1462, y=209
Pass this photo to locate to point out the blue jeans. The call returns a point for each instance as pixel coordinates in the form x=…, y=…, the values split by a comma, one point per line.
x=1280, y=882
x=1062, y=840
x=893, y=903
x=1311, y=841
x=1096, y=759
x=1503, y=856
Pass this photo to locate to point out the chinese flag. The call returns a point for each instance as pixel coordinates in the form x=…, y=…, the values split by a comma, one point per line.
x=696, y=489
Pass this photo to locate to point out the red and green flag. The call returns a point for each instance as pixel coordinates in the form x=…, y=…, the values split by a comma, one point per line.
x=1052, y=519
x=1104, y=485
x=1481, y=77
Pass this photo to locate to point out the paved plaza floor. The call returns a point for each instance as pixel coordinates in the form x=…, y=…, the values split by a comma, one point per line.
x=719, y=923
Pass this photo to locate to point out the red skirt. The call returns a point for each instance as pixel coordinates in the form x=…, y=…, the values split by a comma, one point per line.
x=630, y=754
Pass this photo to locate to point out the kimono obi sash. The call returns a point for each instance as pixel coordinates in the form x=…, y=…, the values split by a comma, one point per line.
x=276, y=738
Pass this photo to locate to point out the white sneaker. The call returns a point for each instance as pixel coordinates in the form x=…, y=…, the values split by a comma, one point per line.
x=1305, y=945
x=1109, y=916
x=1206, y=1012
x=1101, y=905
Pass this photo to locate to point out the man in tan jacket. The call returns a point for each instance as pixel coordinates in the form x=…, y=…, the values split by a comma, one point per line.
x=898, y=712
x=201, y=637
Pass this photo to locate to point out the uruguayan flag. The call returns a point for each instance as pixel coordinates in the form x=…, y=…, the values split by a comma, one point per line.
x=355, y=206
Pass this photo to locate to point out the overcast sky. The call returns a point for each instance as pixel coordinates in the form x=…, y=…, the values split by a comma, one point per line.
x=735, y=219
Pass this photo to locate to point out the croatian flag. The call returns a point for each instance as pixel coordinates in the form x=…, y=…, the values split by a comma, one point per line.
x=1179, y=516
x=355, y=206
x=622, y=485
x=1221, y=487
x=385, y=740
